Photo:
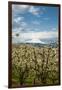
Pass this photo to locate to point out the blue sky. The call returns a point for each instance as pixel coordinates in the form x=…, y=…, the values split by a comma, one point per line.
x=34, y=24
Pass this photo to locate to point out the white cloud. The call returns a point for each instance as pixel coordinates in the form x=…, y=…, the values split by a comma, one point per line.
x=34, y=11
x=35, y=35
x=18, y=19
x=26, y=8
x=24, y=24
x=20, y=8
x=23, y=6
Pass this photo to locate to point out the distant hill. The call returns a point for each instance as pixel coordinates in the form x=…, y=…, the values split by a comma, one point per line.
x=53, y=45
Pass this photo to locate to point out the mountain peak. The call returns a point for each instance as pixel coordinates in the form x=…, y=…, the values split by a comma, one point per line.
x=35, y=41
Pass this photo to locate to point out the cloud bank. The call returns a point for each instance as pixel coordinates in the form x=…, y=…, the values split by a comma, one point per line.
x=24, y=37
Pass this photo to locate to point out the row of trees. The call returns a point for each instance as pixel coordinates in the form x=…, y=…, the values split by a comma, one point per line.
x=32, y=65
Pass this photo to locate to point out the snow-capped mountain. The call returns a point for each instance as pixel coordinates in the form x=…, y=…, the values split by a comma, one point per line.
x=35, y=41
